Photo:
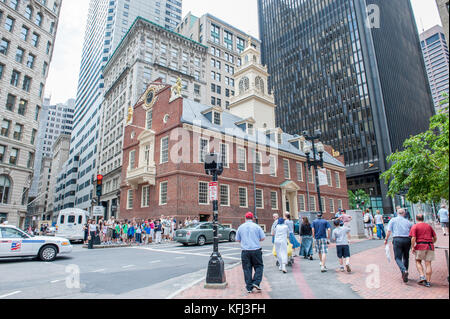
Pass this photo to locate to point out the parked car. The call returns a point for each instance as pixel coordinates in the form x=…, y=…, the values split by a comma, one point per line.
x=16, y=243
x=51, y=231
x=387, y=218
x=202, y=233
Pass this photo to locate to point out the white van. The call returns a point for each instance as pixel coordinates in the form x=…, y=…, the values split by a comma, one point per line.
x=70, y=223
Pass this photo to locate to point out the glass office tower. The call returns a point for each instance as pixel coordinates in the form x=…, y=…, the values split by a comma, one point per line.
x=353, y=69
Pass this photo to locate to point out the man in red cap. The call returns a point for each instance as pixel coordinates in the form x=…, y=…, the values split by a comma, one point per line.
x=250, y=235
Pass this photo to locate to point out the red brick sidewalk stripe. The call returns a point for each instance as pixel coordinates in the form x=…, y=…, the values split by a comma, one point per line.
x=235, y=289
x=301, y=282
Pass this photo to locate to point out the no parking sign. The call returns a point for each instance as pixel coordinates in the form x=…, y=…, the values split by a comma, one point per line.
x=213, y=189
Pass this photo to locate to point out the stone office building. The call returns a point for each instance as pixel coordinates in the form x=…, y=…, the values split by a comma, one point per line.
x=163, y=169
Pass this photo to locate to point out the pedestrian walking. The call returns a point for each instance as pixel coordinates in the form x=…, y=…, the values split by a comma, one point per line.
x=250, y=236
x=138, y=232
x=131, y=231
x=125, y=232
x=368, y=223
x=400, y=228
x=345, y=218
x=423, y=238
x=292, y=239
x=443, y=219
x=341, y=235
x=379, y=222
x=281, y=244
x=86, y=232
x=321, y=232
x=93, y=228
x=158, y=232
x=272, y=230
x=306, y=249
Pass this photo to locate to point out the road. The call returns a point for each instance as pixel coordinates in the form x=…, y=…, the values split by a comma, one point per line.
x=154, y=271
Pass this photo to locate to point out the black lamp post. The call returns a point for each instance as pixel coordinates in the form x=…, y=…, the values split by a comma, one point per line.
x=314, y=162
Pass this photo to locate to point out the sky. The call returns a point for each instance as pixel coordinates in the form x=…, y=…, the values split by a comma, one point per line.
x=62, y=81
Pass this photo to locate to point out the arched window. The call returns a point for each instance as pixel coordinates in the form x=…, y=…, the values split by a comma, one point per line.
x=259, y=83
x=5, y=186
x=244, y=85
x=28, y=12
x=39, y=19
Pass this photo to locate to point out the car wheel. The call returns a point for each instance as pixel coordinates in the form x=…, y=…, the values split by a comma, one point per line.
x=185, y=244
x=48, y=253
x=201, y=240
x=232, y=237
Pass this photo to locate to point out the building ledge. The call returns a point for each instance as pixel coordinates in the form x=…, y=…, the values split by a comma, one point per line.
x=141, y=175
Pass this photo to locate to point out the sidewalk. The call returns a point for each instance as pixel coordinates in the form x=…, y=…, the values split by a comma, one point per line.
x=373, y=277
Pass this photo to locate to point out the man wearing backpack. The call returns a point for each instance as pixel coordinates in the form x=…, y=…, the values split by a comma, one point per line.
x=368, y=223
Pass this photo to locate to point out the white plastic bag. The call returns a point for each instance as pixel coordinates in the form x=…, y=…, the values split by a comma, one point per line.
x=388, y=253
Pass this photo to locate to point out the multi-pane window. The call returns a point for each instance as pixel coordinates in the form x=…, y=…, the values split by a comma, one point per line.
x=332, y=205
x=224, y=154
x=30, y=161
x=228, y=39
x=26, y=84
x=330, y=183
x=13, y=156
x=4, y=45
x=224, y=195
x=130, y=199
x=33, y=136
x=9, y=24
x=163, y=193
x=215, y=33
x=312, y=203
x=132, y=160
x=5, y=128
x=243, y=197
x=22, y=107
x=145, y=202
x=203, y=149
x=324, y=207
x=217, y=118
x=19, y=55
x=164, y=150
x=273, y=165
x=2, y=68
x=35, y=39
x=2, y=152
x=301, y=203
x=13, y=4
x=340, y=204
x=24, y=33
x=240, y=44
x=18, y=130
x=242, y=159
x=337, y=179
x=258, y=162
x=38, y=20
x=286, y=169
x=37, y=112
x=274, y=200
x=15, y=76
x=259, y=199
x=203, y=193
x=299, y=171
x=149, y=119
x=310, y=175
x=28, y=12
x=10, y=102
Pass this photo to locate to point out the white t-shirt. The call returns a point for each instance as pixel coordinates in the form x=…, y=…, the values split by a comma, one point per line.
x=281, y=233
x=92, y=227
x=378, y=219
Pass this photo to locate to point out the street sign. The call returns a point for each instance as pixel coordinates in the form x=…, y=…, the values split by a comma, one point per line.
x=213, y=189
x=98, y=211
x=323, y=181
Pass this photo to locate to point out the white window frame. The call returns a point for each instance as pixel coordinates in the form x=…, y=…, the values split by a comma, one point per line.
x=148, y=114
x=246, y=197
x=160, y=193
x=274, y=167
x=285, y=160
x=312, y=200
x=200, y=149
x=337, y=177
x=299, y=171
x=145, y=196
x=131, y=155
x=207, y=193
x=256, y=156
x=166, y=138
x=262, y=198
x=227, y=154
x=276, y=200
x=340, y=203
x=310, y=170
x=304, y=203
x=245, y=158
x=130, y=192
x=324, y=204
x=228, y=195
x=329, y=179
x=332, y=207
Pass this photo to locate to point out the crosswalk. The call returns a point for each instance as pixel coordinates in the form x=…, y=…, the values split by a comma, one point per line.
x=229, y=251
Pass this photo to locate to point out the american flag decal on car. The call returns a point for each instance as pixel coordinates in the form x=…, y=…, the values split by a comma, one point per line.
x=16, y=246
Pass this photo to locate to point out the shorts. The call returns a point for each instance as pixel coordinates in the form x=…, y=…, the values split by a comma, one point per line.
x=427, y=255
x=321, y=246
x=444, y=224
x=366, y=226
x=343, y=251
x=124, y=237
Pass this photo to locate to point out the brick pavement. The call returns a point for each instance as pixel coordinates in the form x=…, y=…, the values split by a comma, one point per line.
x=235, y=289
x=365, y=265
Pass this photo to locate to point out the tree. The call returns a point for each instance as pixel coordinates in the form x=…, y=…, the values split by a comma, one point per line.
x=358, y=199
x=422, y=168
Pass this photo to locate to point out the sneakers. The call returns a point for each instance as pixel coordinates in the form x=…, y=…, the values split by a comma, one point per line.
x=250, y=291
x=323, y=269
x=405, y=276
x=422, y=280
x=428, y=285
x=311, y=258
x=342, y=268
x=283, y=269
x=258, y=288
x=348, y=268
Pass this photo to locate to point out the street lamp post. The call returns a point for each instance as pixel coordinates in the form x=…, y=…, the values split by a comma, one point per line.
x=314, y=162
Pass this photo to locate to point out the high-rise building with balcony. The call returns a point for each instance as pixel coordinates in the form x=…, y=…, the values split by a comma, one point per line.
x=435, y=54
x=354, y=70
x=27, y=36
x=107, y=23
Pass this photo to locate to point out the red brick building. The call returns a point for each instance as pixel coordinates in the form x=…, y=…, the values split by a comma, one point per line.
x=167, y=137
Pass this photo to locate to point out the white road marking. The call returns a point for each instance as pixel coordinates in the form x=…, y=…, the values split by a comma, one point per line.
x=11, y=294
x=54, y=281
x=180, y=257
x=183, y=253
x=128, y=266
x=99, y=270
x=155, y=261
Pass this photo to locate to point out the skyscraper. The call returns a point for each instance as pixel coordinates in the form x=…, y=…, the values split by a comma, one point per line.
x=435, y=54
x=27, y=36
x=107, y=23
x=354, y=70
x=443, y=7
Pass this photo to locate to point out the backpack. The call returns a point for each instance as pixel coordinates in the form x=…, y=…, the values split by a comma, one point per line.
x=367, y=218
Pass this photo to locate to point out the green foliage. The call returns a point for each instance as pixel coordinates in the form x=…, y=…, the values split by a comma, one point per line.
x=422, y=168
x=356, y=199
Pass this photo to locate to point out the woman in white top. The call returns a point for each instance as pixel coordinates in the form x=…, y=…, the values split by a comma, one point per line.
x=281, y=242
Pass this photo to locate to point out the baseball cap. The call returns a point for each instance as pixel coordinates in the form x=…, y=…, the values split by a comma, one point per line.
x=249, y=215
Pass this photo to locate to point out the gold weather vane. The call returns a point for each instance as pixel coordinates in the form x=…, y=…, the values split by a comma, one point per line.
x=130, y=115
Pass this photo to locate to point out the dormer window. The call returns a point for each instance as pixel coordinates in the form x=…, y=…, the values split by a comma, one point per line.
x=250, y=129
x=214, y=115
x=217, y=118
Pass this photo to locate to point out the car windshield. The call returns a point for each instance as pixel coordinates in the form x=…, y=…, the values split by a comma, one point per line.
x=193, y=225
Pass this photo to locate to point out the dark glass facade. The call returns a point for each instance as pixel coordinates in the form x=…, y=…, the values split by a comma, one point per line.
x=365, y=88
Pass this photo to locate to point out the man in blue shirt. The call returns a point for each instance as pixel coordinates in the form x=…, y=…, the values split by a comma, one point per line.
x=250, y=236
x=321, y=232
x=400, y=227
x=443, y=218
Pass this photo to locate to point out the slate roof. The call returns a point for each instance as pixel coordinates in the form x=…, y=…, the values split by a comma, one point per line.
x=192, y=114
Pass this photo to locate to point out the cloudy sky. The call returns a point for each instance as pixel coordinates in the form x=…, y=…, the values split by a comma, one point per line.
x=64, y=68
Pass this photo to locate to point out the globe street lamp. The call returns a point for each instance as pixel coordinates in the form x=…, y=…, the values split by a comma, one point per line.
x=314, y=162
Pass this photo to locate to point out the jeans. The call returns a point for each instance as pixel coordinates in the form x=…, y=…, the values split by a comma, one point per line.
x=91, y=242
x=252, y=259
x=138, y=238
x=402, y=246
x=306, y=249
x=380, y=231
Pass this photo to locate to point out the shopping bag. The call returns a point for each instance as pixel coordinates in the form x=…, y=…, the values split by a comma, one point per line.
x=289, y=249
x=388, y=253
x=375, y=230
x=274, y=251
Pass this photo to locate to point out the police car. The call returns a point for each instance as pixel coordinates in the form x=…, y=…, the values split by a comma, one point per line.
x=16, y=243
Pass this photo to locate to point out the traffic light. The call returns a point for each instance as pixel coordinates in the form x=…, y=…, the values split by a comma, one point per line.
x=99, y=185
